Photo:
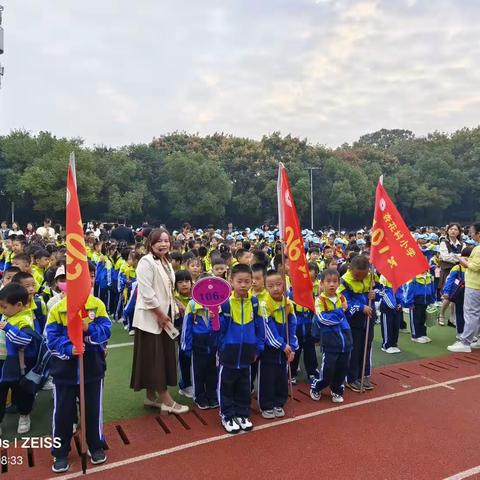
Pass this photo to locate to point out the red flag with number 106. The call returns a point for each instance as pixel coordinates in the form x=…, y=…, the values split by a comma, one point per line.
x=290, y=233
x=394, y=253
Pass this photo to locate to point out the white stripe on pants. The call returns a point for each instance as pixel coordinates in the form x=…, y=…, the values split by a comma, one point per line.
x=471, y=313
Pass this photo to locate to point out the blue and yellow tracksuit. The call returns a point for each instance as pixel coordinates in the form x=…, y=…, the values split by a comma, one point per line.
x=199, y=342
x=306, y=343
x=184, y=360
x=38, y=311
x=241, y=341
x=391, y=312
x=118, y=264
x=64, y=370
x=103, y=280
x=7, y=257
x=280, y=328
x=129, y=309
x=418, y=295
x=455, y=289
x=356, y=294
x=337, y=343
x=262, y=298
x=126, y=276
x=21, y=354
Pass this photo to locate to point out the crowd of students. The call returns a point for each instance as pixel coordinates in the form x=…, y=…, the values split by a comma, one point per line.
x=263, y=333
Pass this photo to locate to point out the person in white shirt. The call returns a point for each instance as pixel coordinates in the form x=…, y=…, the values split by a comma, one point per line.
x=46, y=232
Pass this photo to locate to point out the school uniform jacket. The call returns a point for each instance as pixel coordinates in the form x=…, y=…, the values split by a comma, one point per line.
x=242, y=332
x=63, y=364
x=420, y=291
x=388, y=299
x=455, y=282
x=197, y=331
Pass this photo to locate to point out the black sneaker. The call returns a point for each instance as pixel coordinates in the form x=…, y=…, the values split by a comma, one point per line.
x=367, y=384
x=202, y=405
x=98, y=457
x=60, y=465
x=213, y=404
x=354, y=386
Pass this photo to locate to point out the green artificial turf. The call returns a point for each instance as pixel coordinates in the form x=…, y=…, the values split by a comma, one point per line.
x=121, y=402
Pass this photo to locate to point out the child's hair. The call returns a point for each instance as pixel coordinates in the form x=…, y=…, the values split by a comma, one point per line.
x=314, y=249
x=259, y=267
x=329, y=272
x=182, y=276
x=259, y=256
x=467, y=251
x=177, y=256
x=12, y=270
x=193, y=259
x=272, y=272
x=226, y=256
x=91, y=267
x=40, y=253
x=240, y=268
x=23, y=257
x=240, y=253
x=277, y=261
x=19, y=276
x=360, y=262
x=313, y=266
x=217, y=260
x=202, y=251
x=125, y=253
x=14, y=293
x=326, y=247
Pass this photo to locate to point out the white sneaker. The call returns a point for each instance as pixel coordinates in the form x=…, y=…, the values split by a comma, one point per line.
x=230, y=426
x=23, y=424
x=427, y=339
x=419, y=340
x=279, y=412
x=268, y=414
x=48, y=385
x=475, y=344
x=131, y=333
x=186, y=392
x=459, y=347
x=391, y=350
x=337, y=398
x=244, y=423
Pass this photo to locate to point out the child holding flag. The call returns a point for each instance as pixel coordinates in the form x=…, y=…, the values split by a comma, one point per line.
x=64, y=369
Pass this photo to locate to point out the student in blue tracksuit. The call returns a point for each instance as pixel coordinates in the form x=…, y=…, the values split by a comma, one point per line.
x=358, y=288
x=21, y=351
x=64, y=370
x=336, y=338
x=129, y=309
x=280, y=345
x=241, y=341
x=199, y=342
x=306, y=343
x=419, y=294
x=391, y=312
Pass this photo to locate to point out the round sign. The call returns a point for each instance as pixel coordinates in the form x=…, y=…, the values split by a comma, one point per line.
x=211, y=291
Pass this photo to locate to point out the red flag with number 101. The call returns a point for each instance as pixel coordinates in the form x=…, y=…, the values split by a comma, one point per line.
x=394, y=253
x=290, y=233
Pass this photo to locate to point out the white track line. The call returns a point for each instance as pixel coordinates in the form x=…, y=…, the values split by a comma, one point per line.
x=434, y=381
x=117, y=345
x=465, y=474
x=277, y=423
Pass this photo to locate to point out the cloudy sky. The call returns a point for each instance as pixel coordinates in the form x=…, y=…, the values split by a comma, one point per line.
x=115, y=72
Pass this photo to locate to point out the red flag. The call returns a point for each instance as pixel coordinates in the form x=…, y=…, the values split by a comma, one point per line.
x=78, y=276
x=394, y=253
x=291, y=235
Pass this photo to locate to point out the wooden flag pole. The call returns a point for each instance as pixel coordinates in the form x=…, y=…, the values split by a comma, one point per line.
x=289, y=369
x=83, y=426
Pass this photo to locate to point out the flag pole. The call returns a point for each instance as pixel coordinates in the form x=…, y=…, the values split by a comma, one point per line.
x=83, y=429
x=289, y=369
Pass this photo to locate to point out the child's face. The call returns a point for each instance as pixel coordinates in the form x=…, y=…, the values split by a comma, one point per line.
x=194, y=268
x=241, y=284
x=333, y=264
x=238, y=244
x=7, y=278
x=246, y=258
x=313, y=275
x=328, y=253
x=220, y=270
x=22, y=265
x=184, y=287
x=17, y=247
x=258, y=281
x=359, y=275
x=43, y=262
x=176, y=264
x=275, y=287
x=10, y=310
x=314, y=256
x=29, y=285
x=330, y=285
x=8, y=243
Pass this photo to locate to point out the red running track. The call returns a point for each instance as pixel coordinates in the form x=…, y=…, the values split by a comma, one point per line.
x=421, y=422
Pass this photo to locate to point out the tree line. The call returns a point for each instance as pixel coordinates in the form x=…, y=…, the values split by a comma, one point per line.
x=221, y=178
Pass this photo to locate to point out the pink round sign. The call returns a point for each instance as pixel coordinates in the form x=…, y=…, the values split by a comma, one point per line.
x=211, y=292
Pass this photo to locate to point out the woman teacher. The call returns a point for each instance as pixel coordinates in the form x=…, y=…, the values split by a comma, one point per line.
x=154, y=353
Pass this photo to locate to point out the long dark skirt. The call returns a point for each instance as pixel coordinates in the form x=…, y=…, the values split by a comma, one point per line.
x=154, y=361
